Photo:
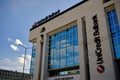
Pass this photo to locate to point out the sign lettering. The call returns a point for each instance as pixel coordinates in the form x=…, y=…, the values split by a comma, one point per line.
x=98, y=50
x=46, y=18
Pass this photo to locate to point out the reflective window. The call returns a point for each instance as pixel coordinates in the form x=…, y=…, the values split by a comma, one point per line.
x=115, y=31
x=63, y=49
x=33, y=58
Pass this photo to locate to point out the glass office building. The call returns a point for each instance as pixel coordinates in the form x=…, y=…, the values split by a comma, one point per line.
x=80, y=43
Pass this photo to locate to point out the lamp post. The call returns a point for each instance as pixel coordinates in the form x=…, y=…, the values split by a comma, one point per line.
x=18, y=42
x=25, y=47
x=24, y=59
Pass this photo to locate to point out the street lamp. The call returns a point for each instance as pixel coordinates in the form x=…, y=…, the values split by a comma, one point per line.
x=24, y=60
x=25, y=47
x=19, y=43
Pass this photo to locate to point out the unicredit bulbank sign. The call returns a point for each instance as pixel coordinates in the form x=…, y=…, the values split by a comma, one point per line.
x=98, y=50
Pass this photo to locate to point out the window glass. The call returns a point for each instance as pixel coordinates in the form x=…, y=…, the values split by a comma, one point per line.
x=76, y=49
x=63, y=49
x=56, y=63
x=63, y=52
x=70, y=61
x=115, y=31
x=33, y=57
x=51, y=55
x=62, y=62
x=56, y=54
x=76, y=58
x=69, y=50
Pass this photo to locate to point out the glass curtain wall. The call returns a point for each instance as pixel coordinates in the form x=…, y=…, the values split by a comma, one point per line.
x=115, y=35
x=63, y=50
x=33, y=58
x=115, y=31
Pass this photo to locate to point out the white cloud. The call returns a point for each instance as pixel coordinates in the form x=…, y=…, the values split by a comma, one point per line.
x=11, y=64
x=20, y=60
x=16, y=64
x=15, y=48
x=23, y=55
x=28, y=57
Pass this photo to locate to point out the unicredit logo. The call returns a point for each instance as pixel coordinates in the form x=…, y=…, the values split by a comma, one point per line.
x=100, y=68
x=98, y=50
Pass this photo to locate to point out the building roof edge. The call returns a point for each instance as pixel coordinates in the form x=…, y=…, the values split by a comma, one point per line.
x=74, y=6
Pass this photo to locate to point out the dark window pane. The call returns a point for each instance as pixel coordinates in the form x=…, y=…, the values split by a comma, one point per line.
x=115, y=41
x=118, y=41
x=75, y=42
x=114, y=35
x=115, y=31
x=118, y=34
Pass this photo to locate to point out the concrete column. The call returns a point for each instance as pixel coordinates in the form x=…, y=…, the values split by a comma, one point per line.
x=100, y=61
x=44, y=66
x=81, y=51
x=37, y=61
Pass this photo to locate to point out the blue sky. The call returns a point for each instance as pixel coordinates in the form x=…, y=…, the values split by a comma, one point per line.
x=16, y=18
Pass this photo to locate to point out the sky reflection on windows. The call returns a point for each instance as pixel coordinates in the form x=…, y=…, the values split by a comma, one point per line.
x=115, y=31
x=63, y=49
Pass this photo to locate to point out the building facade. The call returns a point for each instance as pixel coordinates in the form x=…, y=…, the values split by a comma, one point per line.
x=11, y=75
x=80, y=43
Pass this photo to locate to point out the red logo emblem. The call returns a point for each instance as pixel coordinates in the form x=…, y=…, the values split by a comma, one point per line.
x=100, y=69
